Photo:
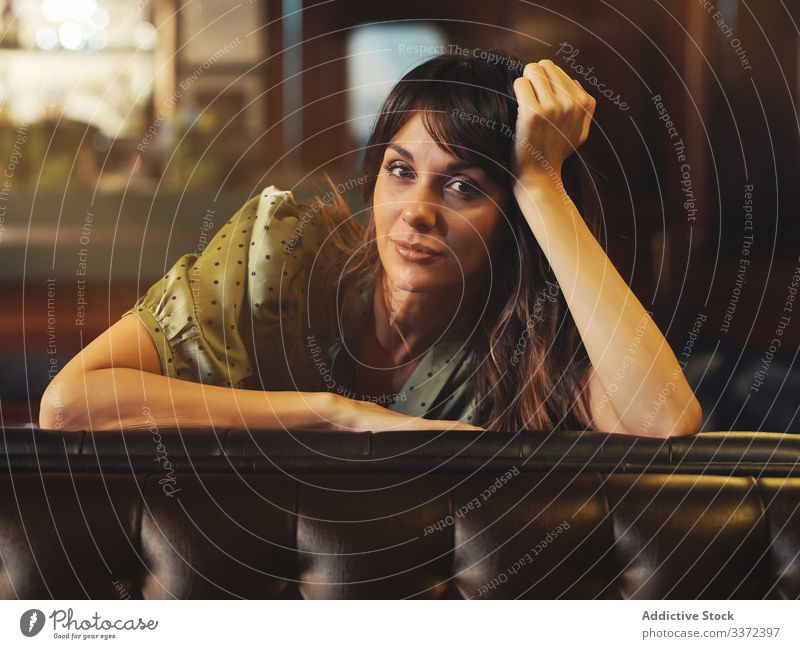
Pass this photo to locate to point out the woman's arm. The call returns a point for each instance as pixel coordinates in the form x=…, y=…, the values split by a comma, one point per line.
x=653, y=398
x=116, y=382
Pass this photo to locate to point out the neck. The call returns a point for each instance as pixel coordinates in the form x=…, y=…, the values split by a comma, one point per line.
x=406, y=324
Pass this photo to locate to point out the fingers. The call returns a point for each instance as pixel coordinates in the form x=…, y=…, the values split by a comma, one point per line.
x=566, y=92
x=562, y=81
x=544, y=85
x=540, y=81
x=570, y=86
x=526, y=97
x=589, y=103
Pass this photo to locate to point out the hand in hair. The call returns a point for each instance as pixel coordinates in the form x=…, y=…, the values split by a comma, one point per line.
x=553, y=118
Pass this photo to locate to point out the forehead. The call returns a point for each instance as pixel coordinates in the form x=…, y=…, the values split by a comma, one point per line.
x=414, y=137
x=413, y=128
x=414, y=141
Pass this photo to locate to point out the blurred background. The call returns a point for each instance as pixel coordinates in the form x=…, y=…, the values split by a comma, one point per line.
x=131, y=130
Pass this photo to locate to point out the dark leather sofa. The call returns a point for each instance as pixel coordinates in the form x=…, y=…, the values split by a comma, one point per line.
x=238, y=514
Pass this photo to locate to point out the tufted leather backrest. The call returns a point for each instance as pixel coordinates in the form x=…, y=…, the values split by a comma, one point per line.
x=459, y=514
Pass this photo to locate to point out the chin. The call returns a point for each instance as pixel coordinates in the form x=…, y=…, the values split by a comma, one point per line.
x=413, y=280
x=408, y=280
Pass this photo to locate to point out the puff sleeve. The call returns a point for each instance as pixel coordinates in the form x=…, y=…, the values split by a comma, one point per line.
x=213, y=315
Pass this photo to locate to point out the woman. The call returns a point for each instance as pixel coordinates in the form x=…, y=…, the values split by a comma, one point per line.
x=476, y=296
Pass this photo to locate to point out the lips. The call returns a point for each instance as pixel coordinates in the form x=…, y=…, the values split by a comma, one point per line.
x=411, y=254
x=415, y=246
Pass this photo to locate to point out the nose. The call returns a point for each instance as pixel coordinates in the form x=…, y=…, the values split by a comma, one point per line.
x=420, y=211
x=420, y=216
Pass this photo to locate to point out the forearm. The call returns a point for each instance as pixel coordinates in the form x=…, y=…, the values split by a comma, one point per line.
x=110, y=399
x=620, y=337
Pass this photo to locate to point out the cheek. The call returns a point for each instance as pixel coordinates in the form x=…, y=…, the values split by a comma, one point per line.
x=383, y=219
x=473, y=244
x=381, y=210
x=383, y=227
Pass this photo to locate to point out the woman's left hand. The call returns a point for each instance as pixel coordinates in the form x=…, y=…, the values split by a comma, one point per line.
x=553, y=118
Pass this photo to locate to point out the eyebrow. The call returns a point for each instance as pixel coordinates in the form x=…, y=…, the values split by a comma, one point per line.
x=451, y=168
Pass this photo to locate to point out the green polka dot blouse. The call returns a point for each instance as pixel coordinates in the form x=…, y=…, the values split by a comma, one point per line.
x=257, y=309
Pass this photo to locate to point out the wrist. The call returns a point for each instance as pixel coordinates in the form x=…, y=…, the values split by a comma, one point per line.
x=337, y=412
x=539, y=177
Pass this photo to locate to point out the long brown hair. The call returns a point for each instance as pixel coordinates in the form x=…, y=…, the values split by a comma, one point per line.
x=529, y=353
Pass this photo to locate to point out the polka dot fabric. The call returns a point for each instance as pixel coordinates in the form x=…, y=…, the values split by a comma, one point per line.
x=213, y=316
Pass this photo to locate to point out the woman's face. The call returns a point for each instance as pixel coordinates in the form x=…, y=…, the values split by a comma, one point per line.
x=425, y=196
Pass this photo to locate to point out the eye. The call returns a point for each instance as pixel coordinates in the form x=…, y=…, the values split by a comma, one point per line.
x=466, y=187
x=469, y=188
x=401, y=167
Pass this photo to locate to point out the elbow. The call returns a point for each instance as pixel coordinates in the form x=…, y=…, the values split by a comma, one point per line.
x=60, y=407
x=51, y=407
x=692, y=422
x=687, y=422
